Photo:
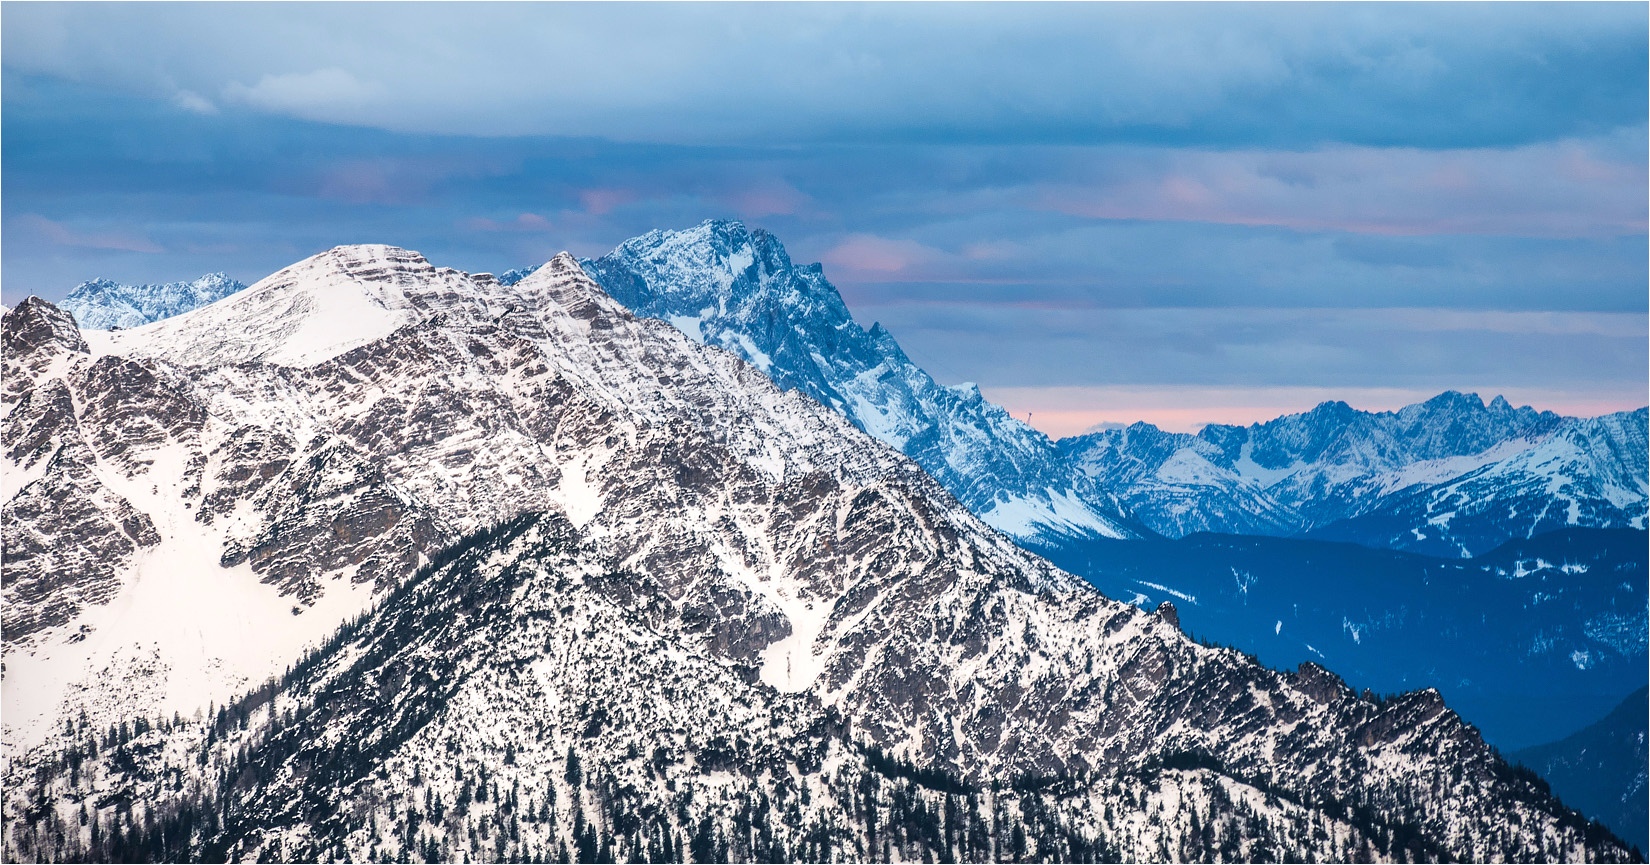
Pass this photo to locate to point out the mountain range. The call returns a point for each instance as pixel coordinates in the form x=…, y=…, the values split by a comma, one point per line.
x=511, y=572
x=103, y=304
x=1451, y=476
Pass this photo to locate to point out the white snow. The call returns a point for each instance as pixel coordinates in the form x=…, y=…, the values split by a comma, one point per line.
x=304, y=314
x=692, y=325
x=578, y=494
x=1187, y=466
x=1060, y=511
x=1190, y=599
x=756, y=355
x=14, y=477
x=792, y=664
x=184, y=631
x=1441, y=470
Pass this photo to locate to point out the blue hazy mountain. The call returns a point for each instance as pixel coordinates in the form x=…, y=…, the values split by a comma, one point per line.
x=1451, y=476
x=1600, y=770
x=737, y=289
x=103, y=304
x=1529, y=641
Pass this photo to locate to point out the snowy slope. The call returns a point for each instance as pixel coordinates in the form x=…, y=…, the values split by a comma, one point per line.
x=104, y=304
x=315, y=459
x=737, y=289
x=582, y=537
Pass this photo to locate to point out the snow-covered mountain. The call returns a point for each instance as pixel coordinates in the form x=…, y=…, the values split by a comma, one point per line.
x=103, y=304
x=609, y=591
x=737, y=289
x=1451, y=476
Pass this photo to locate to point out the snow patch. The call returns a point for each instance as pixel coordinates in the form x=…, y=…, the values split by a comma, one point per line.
x=1190, y=599
x=183, y=632
x=691, y=325
x=757, y=356
x=1059, y=510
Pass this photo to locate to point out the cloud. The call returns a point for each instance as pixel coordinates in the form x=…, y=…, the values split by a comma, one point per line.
x=525, y=222
x=867, y=254
x=56, y=233
x=601, y=202
x=191, y=101
x=774, y=198
x=330, y=94
x=1444, y=75
x=1587, y=354
x=1563, y=189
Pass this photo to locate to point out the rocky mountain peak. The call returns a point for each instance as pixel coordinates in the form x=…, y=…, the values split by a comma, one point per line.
x=621, y=581
x=719, y=269
x=37, y=338
x=375, y=262
x=307, y=312
x=37, y=325
x=735, y=288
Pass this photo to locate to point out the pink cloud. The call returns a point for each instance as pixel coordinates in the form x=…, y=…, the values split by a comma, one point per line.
x=525, y=222
x=366, y=181
x=1565, y=189
x=62, y=235
x=869, y=254
x=781, y=199
x=601, y=202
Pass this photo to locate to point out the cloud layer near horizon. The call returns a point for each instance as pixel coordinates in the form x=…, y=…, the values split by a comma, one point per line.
x=1031, y=196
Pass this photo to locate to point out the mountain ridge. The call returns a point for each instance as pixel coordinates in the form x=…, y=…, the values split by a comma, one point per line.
x=725, y=285
x=699, y=518
x=1435, y=477
x=103, y=304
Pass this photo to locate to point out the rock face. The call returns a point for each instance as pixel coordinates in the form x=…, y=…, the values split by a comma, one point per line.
x=1451, y=476
x=737, y=289
x=524, y=697
x=103, y=304
x=67, y=534
x=605, y=590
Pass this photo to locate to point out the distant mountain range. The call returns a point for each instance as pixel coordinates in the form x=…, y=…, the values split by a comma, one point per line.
x=1449, y=477
x=103, y=304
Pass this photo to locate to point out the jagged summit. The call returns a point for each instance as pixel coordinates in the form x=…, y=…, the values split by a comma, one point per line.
x=103, y=304
x=316, y=309
x=736, y=288
x=1389, y=478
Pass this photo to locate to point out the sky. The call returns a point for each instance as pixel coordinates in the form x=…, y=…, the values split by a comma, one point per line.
x=1100, y=213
